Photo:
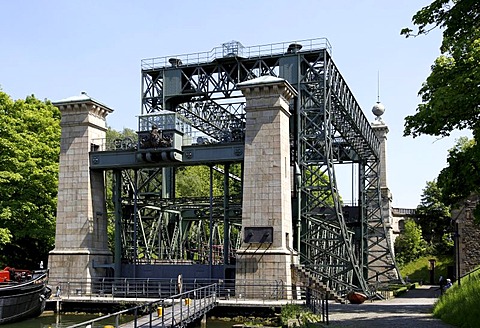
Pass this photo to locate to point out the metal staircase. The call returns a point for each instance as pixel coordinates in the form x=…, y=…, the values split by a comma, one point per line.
x=301, y=275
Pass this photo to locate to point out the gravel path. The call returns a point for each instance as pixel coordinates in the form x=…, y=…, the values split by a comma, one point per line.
x=413, y=309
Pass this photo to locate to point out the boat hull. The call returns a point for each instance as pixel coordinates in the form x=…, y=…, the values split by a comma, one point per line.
x=24, y=300
x=356, y=298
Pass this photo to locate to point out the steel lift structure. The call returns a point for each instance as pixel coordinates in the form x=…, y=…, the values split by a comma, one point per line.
x=194, y=101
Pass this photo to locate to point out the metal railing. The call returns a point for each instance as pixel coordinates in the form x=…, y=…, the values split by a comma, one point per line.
x=317, y=302
x=468, y=274
x=124, y=143
x=404, y=211
x=164, y=288
x=246, y=52
x=126, y=287
x=203, y=293
x=177, y=310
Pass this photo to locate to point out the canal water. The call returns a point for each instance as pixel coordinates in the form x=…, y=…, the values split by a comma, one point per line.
x=51, y=320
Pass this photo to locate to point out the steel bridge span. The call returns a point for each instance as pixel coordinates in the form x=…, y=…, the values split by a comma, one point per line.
x=194, y=100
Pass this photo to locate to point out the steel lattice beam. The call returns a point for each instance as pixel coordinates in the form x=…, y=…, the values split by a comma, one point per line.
x=328, y=127
x=169, y=230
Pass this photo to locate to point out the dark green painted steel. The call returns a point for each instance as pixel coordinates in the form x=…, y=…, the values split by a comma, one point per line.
x=328, y=128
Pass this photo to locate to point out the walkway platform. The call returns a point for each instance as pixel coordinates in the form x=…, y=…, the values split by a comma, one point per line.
x=246, y=303
x=56, y=303
x=177, y=310
x=243, y=302
x=178, y=314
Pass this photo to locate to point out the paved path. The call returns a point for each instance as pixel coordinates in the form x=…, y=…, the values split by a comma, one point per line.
x=413, y=309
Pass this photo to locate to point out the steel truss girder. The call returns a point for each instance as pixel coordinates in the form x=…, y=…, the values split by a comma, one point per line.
x=380, y=262
x=223, y=123
x=208, y=96
x=338, y=264
x=330, y=128
x=156, y=229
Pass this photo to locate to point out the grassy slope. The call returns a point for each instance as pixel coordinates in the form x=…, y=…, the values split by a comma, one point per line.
x=459, y=306
x=418, y=270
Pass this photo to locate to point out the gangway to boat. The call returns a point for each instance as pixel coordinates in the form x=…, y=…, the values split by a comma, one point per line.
x=177, y=315
x=176, y=311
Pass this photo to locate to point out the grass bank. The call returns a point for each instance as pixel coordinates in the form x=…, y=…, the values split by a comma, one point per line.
x=458, y=306
x=417, y=271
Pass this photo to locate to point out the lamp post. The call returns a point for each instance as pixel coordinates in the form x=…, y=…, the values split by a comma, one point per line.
x=457, y=252
x=431, y=267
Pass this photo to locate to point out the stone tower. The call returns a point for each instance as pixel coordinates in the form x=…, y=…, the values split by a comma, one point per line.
x=381, y=130
x=266, y=252
x=81, y=230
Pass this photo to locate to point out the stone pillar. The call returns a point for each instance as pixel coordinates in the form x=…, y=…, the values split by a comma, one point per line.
x=81, y=228
x=381, y=130
x=267, y=251
x=466, y=236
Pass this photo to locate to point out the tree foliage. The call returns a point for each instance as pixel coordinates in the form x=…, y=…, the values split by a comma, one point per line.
x=450, y=96
x=410, y=245
x=433, y=216
x=461, y=177
x=194, y=181
x=458, y=18
x=29, y=154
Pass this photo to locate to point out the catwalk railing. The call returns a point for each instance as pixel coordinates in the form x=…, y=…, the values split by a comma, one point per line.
x=176, y=311
x=169, y=307
x=233, y=49
x=166, y=288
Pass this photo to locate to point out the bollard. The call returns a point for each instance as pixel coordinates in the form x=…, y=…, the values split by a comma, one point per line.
x=108, y=326
x=159, y=311
x=187, y=301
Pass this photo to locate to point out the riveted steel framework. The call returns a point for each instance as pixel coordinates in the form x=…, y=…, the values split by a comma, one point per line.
x=327, y=128
x=159, y=228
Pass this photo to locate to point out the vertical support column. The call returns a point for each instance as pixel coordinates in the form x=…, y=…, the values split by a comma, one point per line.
x=267, y=251
x=81, y=247
x=362, y=201
x=226, y=215
x=384, y=265
x=381, y=130
x=117, y=202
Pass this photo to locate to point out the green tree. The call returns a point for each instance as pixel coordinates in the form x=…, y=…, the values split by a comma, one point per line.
x=451, y=94
x=434, y=218
x=410, y=245
x=113, y=136
x=29, y=154
x=194, y=181
x=460, y=178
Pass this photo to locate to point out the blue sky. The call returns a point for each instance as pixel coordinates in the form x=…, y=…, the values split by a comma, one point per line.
x=56, y=49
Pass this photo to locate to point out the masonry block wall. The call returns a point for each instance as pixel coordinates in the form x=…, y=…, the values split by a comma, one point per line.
x=469, y=246
x=467, y=257
x=81, y=228
x=267, y=187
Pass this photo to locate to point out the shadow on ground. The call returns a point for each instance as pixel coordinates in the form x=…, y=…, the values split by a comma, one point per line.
x=413, y=309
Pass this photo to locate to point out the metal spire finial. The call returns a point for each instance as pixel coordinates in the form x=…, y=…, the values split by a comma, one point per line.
x=378, y=109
